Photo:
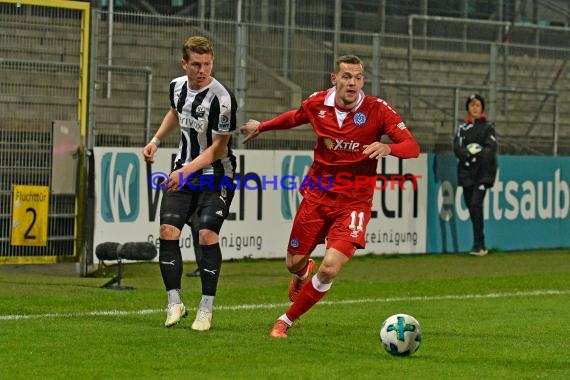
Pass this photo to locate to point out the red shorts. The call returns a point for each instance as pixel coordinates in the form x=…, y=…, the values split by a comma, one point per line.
x=316, y=223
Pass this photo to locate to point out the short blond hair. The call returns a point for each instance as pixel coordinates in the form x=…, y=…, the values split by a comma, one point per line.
x=197, y=44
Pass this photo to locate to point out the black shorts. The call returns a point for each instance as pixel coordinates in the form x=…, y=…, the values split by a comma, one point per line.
x=211, y=206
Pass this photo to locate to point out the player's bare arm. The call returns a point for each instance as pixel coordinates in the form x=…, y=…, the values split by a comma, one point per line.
x=286, y=120
x=250, y=129
x=168, y=125
x=376, y=150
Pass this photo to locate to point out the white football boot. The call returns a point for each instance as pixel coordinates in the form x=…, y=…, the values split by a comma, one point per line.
x=203, y=320
x=174, y=313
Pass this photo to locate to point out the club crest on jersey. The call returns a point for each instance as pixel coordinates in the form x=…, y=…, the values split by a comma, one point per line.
x=200, y=111
x=359, y=119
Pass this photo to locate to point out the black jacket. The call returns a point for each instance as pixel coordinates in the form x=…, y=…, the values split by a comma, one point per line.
x=481, y=168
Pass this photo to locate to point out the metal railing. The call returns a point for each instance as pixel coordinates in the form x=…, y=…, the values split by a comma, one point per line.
x=272, y=66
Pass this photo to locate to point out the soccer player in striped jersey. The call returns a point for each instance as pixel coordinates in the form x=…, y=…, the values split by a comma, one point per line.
x=348, y=125
x=202, y=179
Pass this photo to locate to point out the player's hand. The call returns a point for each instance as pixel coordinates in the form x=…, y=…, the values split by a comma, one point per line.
x=148, y=152
x=174, y=180
x=250, y=129
x=376, y=150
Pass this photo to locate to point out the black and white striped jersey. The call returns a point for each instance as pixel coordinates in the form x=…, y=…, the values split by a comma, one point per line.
x=202, y=113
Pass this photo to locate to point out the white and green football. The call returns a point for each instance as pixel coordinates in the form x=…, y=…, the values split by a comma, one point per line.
x=401, y=335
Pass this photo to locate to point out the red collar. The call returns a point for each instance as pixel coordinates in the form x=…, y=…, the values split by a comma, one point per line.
x=470, y=119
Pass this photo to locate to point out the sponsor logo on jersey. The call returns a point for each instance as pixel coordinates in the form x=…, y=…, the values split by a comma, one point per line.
x=359, y=119
x=120, y=187
x=189, y=122
x=339, y=144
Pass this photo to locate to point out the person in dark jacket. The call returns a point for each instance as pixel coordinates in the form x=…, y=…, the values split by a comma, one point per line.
x=475, y=145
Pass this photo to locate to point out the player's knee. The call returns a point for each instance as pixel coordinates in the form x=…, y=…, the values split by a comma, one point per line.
x=171, y=224
x=327, y=273
x=169, y=232
x=208, y=237
x=295, y=263
x=293, y=268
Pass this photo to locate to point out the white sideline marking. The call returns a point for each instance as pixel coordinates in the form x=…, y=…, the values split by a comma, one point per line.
x=15, y=317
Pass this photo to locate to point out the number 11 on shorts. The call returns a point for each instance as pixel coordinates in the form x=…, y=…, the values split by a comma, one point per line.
x=354, y=219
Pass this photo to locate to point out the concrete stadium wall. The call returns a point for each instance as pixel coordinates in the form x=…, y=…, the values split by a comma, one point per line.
x=523, y=121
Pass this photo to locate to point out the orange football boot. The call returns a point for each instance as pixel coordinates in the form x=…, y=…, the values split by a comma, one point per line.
x=279, y=329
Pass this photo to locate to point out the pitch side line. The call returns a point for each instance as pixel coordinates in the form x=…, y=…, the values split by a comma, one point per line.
x=16, y=317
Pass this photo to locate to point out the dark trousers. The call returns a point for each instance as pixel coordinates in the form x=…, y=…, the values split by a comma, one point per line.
x=473, y=197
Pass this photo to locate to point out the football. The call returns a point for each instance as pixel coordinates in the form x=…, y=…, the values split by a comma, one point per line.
x=401, y=335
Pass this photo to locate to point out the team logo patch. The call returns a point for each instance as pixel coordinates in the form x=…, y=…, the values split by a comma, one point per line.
x=401, y=125
x=294, y=243
x=359, y=118
x=200, y=111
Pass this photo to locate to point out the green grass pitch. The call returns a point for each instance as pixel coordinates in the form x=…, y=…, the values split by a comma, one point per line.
x=502, y=316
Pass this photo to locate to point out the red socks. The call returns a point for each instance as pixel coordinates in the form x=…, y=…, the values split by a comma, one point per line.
x=306, y=299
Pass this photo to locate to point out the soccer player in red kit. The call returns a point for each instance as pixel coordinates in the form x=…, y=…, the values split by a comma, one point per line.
x=349, y=125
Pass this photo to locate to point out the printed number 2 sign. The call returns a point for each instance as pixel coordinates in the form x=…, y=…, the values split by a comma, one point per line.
x=29, y=215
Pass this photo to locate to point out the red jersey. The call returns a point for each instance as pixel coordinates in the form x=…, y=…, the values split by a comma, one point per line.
x=342, y=135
